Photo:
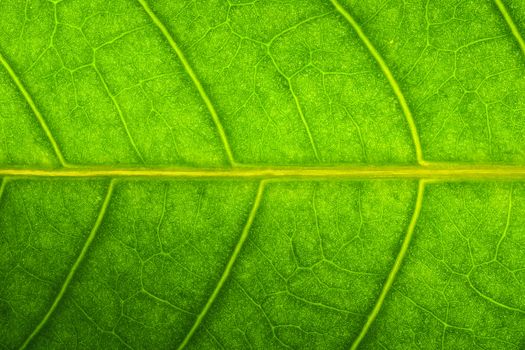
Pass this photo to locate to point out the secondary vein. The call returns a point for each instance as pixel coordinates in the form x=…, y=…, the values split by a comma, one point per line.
x=34, y=108
x=227, y=271
x=194, y=78
x=74, y=268
x=395, y=268
x=510, y=22
x=389, y=76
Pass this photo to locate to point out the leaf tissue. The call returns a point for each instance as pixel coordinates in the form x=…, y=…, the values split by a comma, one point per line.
x=262, y=174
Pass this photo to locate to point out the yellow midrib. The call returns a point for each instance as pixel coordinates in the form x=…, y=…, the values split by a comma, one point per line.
x=447, y=172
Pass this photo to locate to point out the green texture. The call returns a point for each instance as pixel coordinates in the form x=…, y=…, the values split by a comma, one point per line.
x=262, y=174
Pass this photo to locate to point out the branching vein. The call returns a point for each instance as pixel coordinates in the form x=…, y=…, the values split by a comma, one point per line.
x=73, y=269
x=390, y=77
x=194, y=78
x=227, y=271
x=34, y=108
x=395, y=268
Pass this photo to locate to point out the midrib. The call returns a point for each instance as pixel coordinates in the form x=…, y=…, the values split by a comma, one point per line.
x=437, y=172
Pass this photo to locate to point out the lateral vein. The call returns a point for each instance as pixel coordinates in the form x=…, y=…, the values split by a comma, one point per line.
x=227, y=271
x=389, y=76
x=510, y=22
x=194, y=78
x=74, y=268
x=34, y=108
x=395, y=268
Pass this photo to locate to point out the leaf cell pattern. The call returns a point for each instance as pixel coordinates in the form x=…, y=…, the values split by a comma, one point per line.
x=262, y=174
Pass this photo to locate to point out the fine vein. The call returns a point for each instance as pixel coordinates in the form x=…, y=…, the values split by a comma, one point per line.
x=395, y=268
x=73, y=269
x=447, y=172
x=194, y=78
x=305, y=123
x=298, y=107
x=390, y=77
x=119, y=112
x=229, y=265
x=511, y=24
x=507, y=224
x=34, y=108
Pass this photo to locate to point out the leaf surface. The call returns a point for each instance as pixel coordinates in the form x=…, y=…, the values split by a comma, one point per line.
x=264, y=174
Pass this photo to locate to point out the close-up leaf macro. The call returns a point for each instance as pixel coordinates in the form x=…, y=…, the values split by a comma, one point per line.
x=262, y=174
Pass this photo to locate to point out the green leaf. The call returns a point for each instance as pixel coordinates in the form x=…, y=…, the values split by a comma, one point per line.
x=233, y=174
